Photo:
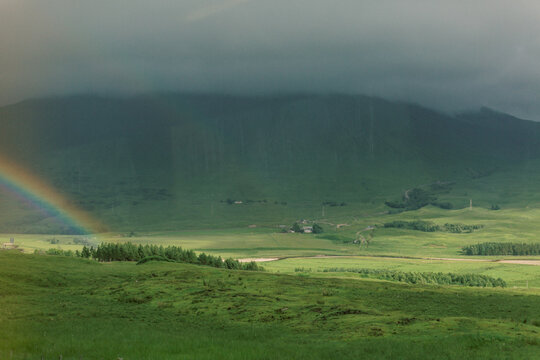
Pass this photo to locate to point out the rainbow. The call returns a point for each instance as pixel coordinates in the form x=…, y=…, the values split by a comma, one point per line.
x=23, y=184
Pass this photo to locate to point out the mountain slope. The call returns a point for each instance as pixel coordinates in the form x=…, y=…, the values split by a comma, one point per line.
x=170, y=161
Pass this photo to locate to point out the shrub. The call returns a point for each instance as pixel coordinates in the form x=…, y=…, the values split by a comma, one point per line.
x=151, y=258
x=297, y=228
x=60, y=252
x=317, y=229
x=418, y=198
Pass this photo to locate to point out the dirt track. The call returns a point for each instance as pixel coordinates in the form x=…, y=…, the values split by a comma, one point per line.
x=522, y=262
x=503, y=261
x=246, y=260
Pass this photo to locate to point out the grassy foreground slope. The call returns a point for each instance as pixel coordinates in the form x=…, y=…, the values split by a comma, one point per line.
x=52, y=306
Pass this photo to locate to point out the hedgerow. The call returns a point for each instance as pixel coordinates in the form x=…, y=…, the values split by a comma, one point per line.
x=426, y=277
x=428, y=226
x=499, y=248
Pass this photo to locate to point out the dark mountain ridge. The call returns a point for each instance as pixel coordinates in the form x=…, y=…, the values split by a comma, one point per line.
x=161, y=159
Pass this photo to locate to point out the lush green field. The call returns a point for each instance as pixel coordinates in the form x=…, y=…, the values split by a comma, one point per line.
x=519, y=276
x=507, y=225
x=56, y=306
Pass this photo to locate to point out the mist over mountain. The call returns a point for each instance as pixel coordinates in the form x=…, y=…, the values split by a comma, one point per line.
x=171, y=161
x=449, y=56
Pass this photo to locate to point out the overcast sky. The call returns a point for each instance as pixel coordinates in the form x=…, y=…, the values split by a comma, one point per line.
x=451, y=55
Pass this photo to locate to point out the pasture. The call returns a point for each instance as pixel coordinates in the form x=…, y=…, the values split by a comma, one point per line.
x=74, y=308
x=507, y=225
x=519, y=276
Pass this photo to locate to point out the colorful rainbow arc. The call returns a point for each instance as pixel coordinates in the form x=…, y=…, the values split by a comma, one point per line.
x=23, y=183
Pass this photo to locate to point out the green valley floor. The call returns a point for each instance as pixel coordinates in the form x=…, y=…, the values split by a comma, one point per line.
x=55, y=307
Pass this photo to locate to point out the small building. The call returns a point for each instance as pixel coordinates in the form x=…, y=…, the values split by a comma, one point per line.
x=252, y=226
x=238, y=202
x=308, y=229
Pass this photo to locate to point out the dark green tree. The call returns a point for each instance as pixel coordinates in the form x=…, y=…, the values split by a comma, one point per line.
x=85, y=253
x=317, y=229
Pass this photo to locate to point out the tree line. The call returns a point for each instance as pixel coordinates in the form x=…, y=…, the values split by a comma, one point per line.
x=500, y=248
x=426, y=277
x=428, y=226
x=106, y=252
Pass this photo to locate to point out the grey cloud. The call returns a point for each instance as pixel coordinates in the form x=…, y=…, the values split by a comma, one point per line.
x=452, y=55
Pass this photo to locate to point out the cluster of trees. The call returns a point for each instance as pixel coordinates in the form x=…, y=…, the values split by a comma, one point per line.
x=498, y=248
x=461, y=228
x=141, y=254
x=428, y=226
x=59, y=252
x=334, y=203
x=414, y=200
x=317, y=229
x=427, y=277
x=419, y=225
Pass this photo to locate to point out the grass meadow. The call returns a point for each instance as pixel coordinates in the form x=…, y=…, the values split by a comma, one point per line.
x=54, y=306
x=72, y=308
x=519, y=276
x=507, y=225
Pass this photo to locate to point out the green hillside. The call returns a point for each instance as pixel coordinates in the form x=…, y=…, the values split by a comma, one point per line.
x=71, y=308
x=169, y=161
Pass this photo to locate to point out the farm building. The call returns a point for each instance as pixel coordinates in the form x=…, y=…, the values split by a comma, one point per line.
x=308, y=229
